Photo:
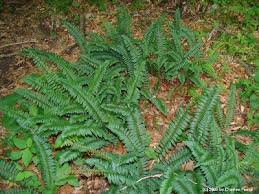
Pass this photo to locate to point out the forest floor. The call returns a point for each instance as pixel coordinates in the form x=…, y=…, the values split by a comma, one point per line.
x=29, y=25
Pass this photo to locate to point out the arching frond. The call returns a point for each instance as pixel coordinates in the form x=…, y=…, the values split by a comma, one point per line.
x=46, y=162
x=202, y=118
x=77, y=36
x=230, y=106
x=173, y=132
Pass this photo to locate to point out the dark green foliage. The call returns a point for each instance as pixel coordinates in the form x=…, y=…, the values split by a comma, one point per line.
x=167, y=54
x=208, y=151
x=1, y=5
x=163, y=54
x=250, y=93
x=100, y=4
x=86, y=105
x=137, y=4
x=249, y=162
x=47, y=164
x=175, y=129
x=10, y=172
x=216, y=160
x=60, y=5
x=241, y=16
x=94, y=102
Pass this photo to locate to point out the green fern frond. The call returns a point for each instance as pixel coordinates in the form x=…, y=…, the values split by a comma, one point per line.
x=36, y=59
x=133, y=133
x=215, y=138
x=37, y=98
x=193, y=51
x=210, y=175
x=133, y=90
x=77, y=36
x=136, y=130
x=86, y=129
x=8, y=170
x=181, y=182
x=68, y=155
x=202, y=118
x=47, y=163
x=160, y=105
x=181, y=30
x=188, y=34
x=230, y=178
x=97, y=78
x=115, y=172
x=205, y=161
x=55, y=93
x=16, y=114
x=202, y=156
x=180, y=157
x=166, y=186
x=20, y=117
x=86, y=100
x=232, y=155
x=219, y=116
x=131, y=54
x=186, y=183
x=173, y=132
x=124, y=136
x=176, y=40
x=249, y=163
x=69, y=141
x=248, y=133
x=154, y=38
x=175, y=162
x=230, y=106
x=177, y=18
x=123, y=25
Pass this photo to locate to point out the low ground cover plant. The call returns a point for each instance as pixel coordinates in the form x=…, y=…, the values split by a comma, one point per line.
x=72, y=110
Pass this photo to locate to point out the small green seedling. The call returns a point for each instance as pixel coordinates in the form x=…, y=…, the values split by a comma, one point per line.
x=26, y=151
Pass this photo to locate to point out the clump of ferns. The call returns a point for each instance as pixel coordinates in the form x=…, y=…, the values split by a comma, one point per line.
x=216, y=160
x=173, y=54
x=94, y=102
x=8, y=172
x=168, y=55
x=70, y=102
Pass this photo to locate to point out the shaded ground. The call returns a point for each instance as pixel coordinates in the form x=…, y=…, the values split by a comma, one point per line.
x=30, y=22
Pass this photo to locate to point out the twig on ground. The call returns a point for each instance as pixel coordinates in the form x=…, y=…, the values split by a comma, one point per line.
x=214, y=32
x=158, y=176
x=8, y=55
x=18, y=43
x=248, y=67
x=146, y=177
x=70, y=48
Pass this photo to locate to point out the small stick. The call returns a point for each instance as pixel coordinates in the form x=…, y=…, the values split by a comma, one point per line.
x=146, y=177
x=17, y=43
x=158, y=176
x=70, y=48
x=8, y=55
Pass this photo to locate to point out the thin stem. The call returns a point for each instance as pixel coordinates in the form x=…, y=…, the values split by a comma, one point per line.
x=146, y=177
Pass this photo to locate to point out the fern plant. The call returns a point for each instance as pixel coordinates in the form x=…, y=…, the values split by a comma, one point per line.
x=173, y=54
x=21, y=180
x=94, y=102
x=25, y=181
x=70, y=101
x=216, y=163
x=169, y=55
